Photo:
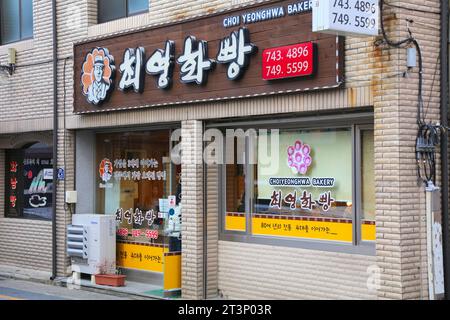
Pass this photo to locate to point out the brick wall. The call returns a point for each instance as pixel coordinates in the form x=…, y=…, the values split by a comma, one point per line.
x=401, y=240
x=192, y=207
x=270, y=272
x=23, y=243
x=32, y=81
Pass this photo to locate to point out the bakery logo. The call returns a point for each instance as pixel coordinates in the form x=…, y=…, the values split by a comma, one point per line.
x=97, y=75
x=106, y=170
x=299, y=158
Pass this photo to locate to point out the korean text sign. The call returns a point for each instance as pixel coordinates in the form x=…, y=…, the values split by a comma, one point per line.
x=202, y=59
x=288, y=61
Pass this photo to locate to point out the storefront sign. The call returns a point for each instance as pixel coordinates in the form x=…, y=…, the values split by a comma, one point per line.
x=259, y=50
x=303, y=227
x=289, y=61
x=140, y=256
x=137, y=216
x=304, y=201
x=298, y=227
x=13, y=184
x=97, y=75
x=346, y=17
x=270, y=13
x=130, y=169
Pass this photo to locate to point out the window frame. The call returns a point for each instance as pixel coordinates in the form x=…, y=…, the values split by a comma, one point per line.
x=358, y=180
x=356, y=122
x=127, y=12
x=21, y=38
x=171, y=126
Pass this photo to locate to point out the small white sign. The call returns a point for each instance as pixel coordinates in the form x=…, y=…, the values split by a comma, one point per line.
x=346, y=17
x=48, y=174
x=172, y=201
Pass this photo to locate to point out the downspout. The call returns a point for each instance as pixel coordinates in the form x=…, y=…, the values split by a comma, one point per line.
x=444, y=144
x=55, y=139
x=205, y=220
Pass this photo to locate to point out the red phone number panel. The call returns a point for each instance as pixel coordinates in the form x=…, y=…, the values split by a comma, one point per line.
x=288, y=61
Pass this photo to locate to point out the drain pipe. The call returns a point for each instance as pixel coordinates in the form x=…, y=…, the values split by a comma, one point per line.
x=444, y=144
x=55, y=139
x=205, y=219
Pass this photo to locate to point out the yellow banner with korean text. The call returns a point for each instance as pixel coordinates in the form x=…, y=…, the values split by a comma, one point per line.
x=140, y=256
x=309, y=228
x=235, y=222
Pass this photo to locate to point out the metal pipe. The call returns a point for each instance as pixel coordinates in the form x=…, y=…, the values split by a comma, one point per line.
x=55, y=139
x=444, y=143
x=205, y=221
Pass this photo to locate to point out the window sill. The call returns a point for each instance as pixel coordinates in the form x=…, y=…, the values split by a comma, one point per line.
x=119, y=25
x=22, y=45
x=366, y=248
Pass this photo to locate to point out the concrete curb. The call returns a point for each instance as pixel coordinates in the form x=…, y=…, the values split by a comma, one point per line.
x=62, y=282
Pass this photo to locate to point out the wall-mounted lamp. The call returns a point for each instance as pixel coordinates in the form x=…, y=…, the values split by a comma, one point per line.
x=11, y=66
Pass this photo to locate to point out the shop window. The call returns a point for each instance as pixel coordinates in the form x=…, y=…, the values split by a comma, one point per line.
x=367, y=210
x=137, y=182
x=16, y=20
x=109, y=10
x=29, y=182
x=235, y=189
x=303, y=186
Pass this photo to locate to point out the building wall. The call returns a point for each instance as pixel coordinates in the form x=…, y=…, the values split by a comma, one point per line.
x=26, y=97
x=401, y=238
x=24, y=244
x=270, y=272
x=357, y=93
x=192, y=268
x=373, y=78
x=26, y=109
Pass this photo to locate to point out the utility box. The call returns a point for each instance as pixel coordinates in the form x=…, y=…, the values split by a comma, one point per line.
x=71, y=197
x=91, y=243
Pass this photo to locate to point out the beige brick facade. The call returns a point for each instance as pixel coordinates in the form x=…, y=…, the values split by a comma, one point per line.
x=374, y=78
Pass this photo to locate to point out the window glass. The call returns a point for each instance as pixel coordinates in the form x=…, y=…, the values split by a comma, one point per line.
x=115, y=9
x=307, y=191
x=10, y=20
x=367, y=185
x=111, y=10
x=27, y=19
x=134, y=181
x=29, y=180
x=136, y=6
x=235, y=219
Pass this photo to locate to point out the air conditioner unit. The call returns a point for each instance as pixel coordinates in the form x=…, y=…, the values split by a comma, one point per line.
x=91, y=243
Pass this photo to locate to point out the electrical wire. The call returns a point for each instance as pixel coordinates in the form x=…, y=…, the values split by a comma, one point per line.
x=432, y=85
x=427, y=134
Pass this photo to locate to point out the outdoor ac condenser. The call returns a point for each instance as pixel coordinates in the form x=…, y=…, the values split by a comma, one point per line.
x=91, y=243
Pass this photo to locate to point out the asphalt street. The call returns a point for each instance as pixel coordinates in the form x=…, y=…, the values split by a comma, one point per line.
x=11, y=289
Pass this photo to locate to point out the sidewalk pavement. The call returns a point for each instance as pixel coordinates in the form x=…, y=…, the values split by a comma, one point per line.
x=12, y=289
